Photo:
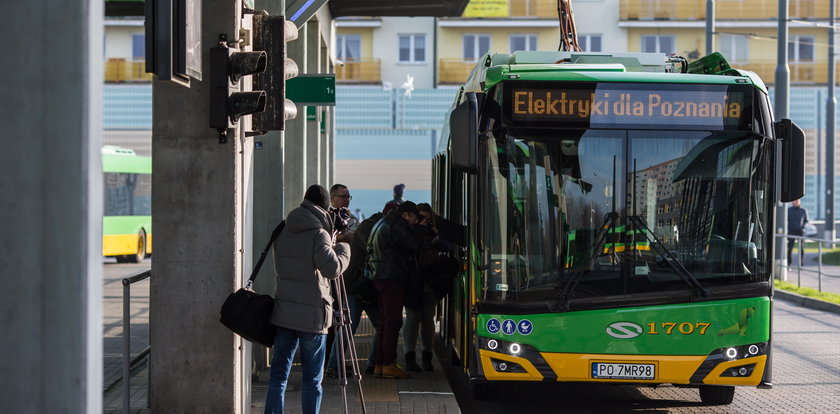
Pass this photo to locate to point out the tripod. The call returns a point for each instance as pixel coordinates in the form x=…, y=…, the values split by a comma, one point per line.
x=344, y=335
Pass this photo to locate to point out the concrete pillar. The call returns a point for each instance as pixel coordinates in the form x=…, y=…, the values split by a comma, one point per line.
x=295, y=161
x=200, y=202
x=51, y=207
x=313, y=129
x=267, y=200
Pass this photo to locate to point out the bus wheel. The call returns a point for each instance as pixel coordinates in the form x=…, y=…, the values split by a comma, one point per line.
x=141, y=248
x=717, y=394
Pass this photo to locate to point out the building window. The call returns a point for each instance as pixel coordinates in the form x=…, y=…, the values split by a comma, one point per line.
x=475, y=45
x=412, y=48
x=348, y=47
x=138, y=46
x=590, y=43
x=658, y=44
x=801, y=49
x=523, y=42
x=734, y=47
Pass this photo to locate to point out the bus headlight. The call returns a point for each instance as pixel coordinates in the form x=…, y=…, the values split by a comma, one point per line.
x=731, y=353
x=515, y=348
x=492, y=344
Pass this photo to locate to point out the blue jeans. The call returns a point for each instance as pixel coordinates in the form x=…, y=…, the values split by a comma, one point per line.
x=312, y=350
x=356, y=306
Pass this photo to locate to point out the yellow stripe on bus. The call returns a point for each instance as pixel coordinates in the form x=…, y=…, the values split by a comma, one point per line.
x=120, y=244
x=675, y=369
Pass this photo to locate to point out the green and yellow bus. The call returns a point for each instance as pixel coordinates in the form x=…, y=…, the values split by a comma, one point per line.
x=127, y=221
x=619, y=212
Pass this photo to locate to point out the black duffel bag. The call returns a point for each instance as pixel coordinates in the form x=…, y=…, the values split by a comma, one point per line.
x=248, y=313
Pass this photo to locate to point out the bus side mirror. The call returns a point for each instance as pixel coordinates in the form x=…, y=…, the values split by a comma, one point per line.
x=793, y=160
x=463, y=132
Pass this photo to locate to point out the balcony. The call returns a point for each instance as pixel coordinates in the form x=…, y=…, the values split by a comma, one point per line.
x=724, y=10
x=125, y=70
x=800, y=72
x=545, y=9
x=359, y=71
x=454, y=70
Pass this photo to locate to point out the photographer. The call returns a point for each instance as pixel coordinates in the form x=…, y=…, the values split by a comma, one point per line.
x=340, y=204
x=306, y=259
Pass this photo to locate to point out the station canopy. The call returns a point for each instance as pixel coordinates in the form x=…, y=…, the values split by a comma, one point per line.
x=435, y=8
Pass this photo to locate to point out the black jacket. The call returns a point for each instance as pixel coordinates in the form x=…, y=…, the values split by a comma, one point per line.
x=390, y=248
x=358, y=249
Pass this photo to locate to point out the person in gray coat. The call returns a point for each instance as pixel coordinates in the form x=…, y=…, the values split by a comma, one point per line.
x=306, y=259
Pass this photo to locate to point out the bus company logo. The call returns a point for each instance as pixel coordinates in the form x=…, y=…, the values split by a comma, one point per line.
x=624, y=330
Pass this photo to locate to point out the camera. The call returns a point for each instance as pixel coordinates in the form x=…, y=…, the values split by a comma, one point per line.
x=341, y=218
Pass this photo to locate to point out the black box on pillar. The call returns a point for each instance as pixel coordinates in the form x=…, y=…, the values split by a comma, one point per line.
x=227, y=102
x=271, y=33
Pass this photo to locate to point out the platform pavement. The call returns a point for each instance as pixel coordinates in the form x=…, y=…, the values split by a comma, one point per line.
x=425, y=392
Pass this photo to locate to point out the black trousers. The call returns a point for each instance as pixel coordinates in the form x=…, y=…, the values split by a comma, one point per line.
x=790, y=244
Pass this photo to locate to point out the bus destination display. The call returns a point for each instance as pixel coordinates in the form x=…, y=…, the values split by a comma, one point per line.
x=613, y=106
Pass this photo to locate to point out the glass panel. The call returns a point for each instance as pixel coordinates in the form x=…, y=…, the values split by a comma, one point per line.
x=532, y=42
x=806, y=48
x=596, y=44
x=792, y=50
x=353, y=47
x=742, y=48
x=405, y=49
x=483, y=45
x=419, y=48
x=666, y=44
x=726, y=47
x=138, y=45
x=649, y=44
x=699, y=194
x=517, y=42
x=692, y=191
x=583, y=42
x=547, y=197
x=469, y=47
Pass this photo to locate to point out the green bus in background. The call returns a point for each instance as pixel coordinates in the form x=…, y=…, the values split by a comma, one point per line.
x=619, y=211
x=127, y=221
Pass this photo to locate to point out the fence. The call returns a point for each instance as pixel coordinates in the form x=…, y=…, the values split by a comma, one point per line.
x=129, y=362
x=799, y=268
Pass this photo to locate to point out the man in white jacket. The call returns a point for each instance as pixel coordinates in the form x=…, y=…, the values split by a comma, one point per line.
x=306, y=259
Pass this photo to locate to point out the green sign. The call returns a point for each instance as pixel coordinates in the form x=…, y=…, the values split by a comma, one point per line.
x=313, y=90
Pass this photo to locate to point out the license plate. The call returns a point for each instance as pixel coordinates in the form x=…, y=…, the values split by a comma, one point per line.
x=616, y=370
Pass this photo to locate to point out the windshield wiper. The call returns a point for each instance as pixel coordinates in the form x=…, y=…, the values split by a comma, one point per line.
x=561, y=300
x=689, y=279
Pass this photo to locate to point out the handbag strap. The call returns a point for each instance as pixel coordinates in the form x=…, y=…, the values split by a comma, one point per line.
x=274, y=234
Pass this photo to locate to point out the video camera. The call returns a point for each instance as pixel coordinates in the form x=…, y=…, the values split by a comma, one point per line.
x=341, y=218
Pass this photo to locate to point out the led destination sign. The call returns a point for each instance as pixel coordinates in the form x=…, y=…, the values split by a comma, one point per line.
x=657, y=106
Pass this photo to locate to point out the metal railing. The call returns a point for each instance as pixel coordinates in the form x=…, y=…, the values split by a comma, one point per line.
x=126, y=70
x=359, y=71
x=801, y=251
x=454, y=70
x=724, y=10
x=129, y=362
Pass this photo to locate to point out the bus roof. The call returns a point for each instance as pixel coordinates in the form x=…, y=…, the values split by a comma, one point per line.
x=603, y=67
x=118, y=159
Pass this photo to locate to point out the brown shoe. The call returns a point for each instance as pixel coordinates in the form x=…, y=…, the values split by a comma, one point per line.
x=393, y=371
x=377, y=371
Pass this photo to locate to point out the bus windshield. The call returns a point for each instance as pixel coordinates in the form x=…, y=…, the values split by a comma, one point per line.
x=697, y=197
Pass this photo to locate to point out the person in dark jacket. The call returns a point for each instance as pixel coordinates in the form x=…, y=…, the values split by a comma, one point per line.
x=390, y=247
x=306, y=259
x=360, y=292
x=797, y=218
x=420, y=299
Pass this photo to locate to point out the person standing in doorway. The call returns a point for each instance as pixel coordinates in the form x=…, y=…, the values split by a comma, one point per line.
x=391, y=246
x=306, y=259
x=797, y=218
